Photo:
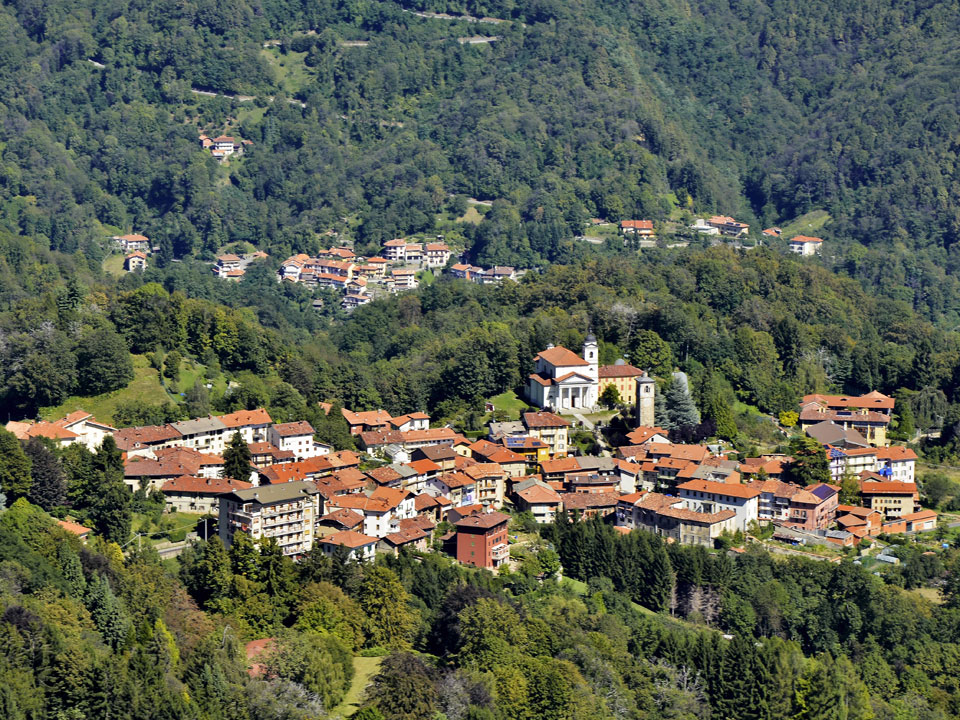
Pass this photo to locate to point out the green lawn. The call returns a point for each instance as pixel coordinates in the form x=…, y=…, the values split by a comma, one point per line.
x=145, y=388
x=472, y=215
x=509, y=403
x=806, y=224
x=364, y=670
x=292, y=73
x=113, y=265
x=169, y=523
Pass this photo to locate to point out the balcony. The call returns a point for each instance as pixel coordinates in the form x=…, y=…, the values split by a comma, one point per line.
x=500, y=552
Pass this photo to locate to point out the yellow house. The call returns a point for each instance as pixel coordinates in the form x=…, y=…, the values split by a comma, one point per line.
x=623, y=377
x=551, y=429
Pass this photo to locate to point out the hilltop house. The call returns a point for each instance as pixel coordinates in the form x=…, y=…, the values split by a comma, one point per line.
x=643, y=228
x=135, y=261
x=803, y=245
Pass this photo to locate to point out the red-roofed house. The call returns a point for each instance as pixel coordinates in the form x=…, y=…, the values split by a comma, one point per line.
x=643, y=228
x=539, y=499
x=413, y=538
x=869, y=414
x=133, y=242
x=814, y=507
x=251, y=424
x=135, y=261
x=710, y=496
x=458, y=488
x=482, y=539
x=623, y=377
x=297, y=437
x=550, y=429
x=804, y=245
x=191, y=494
x=360, y=547
x=893, y=499
x=89, y=430
x=75, y=528
x=644, y=435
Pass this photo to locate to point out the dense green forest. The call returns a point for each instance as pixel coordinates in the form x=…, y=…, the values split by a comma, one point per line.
x=92, y=633
x=579, y=109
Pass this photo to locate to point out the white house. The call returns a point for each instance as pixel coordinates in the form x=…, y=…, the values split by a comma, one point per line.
x=251, y=424
x=710, y=496
x=297, y=437
x=563, y=380
x=203, y=434
x=360, y=547
x=803, y=245
x=91, y=431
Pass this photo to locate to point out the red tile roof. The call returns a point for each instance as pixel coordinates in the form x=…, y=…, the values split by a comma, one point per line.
x=482, y=520
x=343, y=517
x=870, y=400
x=618, y=371
x=561, y=357
x=246, y=417
x=291, y=429
x=74, y=527
x=718, y=488
x=888, y=488
x=348, y=538
x=203, y=486
x=543, y=420
x=539, y=495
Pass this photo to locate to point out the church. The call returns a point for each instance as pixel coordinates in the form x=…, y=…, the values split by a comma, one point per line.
x=563, y=380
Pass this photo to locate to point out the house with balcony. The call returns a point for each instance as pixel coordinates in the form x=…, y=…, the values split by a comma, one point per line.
x=481, y=539
x=804, y=245
x=360, y=547
x=204, y=434
x=709, y=496
x=285, y=512
x=869, y=414
x=814, y=507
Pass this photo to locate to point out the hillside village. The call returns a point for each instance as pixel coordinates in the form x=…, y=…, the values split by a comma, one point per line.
x=425, y=488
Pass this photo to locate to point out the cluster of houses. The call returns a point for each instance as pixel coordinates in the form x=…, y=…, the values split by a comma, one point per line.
x=135, y=248
x=483, y=276
x=357, y=277
x=230, y=266
x=411, y=477
x=720, y=225
x=223, y=146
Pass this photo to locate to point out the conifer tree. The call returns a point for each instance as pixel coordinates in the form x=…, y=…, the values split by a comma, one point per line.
x=72, y=570
x=106, y=612
x=244, y=556
x=15, y=467
x=679, y=405
x=661, y=579
x=48, y=487
x=237, y=459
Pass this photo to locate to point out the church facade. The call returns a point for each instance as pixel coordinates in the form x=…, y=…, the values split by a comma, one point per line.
x=564, y=381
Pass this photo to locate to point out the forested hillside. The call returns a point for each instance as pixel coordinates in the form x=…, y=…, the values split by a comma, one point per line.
x=577, y=109
x=89, y=633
